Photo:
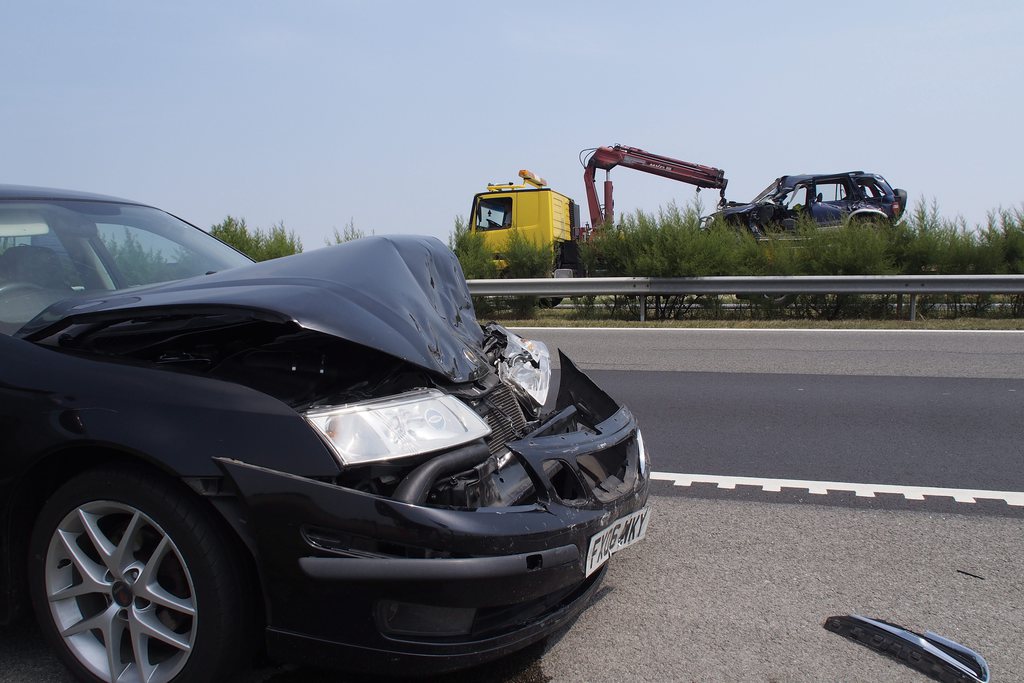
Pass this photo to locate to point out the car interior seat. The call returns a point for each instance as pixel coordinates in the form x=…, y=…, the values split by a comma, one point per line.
x=39, y=266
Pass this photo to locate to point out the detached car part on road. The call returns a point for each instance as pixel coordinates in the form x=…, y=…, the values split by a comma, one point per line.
x=935, y=656
x=327, y=450
x=827, y=199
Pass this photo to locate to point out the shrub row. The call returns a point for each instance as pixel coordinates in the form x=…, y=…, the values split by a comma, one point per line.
x=257, y=244
x=671, y=243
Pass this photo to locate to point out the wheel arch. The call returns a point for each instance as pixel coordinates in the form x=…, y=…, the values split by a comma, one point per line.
x=31, y=490
x=867, y=215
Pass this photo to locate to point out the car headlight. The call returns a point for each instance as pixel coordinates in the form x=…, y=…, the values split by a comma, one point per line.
x=526, y=365
x=416, y=422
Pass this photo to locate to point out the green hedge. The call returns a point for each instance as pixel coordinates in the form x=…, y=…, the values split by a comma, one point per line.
x=523, y=259
x=257, y=244
x=670, y=243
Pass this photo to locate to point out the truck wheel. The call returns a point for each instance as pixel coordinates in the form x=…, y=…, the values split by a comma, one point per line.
x=131, y=579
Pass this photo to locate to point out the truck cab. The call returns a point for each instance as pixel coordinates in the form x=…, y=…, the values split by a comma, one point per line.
x=537, y=212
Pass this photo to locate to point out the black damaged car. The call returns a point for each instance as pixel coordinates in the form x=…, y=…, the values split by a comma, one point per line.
x=827, y=199
x=324, y=455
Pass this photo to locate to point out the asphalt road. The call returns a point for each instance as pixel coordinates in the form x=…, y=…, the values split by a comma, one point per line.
x=916, y=408
x=725, y=590
x=997, y=355
x=923, y=431
x=735, y=584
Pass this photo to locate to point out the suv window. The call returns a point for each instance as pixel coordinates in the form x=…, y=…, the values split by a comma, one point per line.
x=797, y=199
x=832, y=191
x=870, y=189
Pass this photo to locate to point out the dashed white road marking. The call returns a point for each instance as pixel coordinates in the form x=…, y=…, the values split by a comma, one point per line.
x=821, y=488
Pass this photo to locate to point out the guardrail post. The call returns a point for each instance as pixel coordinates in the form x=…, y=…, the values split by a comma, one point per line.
x=913, y=306
x=643, y=308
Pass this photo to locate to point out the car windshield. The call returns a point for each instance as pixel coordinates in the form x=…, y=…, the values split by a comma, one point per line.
x=52, y=250
x=766, y=192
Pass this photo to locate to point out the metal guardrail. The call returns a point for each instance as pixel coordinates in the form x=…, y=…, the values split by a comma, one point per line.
x=913, y=285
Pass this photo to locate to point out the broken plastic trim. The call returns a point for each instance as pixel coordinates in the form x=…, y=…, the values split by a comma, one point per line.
x=592, y=404
x=938, y=658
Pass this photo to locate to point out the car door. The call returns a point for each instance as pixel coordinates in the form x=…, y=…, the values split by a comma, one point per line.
x=832, y=200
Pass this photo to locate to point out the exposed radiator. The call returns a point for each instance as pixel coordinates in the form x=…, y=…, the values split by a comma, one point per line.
x=505, y=417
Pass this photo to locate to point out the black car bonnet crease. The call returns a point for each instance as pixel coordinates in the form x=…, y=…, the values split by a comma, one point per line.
x=405, y=296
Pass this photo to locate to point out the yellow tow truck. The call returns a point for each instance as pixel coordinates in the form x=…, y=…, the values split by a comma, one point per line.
x=546, y=217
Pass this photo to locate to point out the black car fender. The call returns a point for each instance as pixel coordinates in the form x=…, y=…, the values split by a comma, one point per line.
x=176, y=421
x=77, y=411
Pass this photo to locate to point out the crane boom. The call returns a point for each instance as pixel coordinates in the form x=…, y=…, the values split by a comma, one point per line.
x=607, y=158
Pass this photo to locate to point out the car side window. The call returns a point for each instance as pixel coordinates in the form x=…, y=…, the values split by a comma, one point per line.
x=797, y=199
x=870, y=189
x=830, y=191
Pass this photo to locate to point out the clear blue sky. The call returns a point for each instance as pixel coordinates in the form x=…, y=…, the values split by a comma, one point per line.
x=393, y=114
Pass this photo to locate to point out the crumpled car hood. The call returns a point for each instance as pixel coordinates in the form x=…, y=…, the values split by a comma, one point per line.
x=740, y=208
x=405, y=296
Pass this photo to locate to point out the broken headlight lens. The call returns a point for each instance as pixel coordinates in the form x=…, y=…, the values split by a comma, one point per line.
x=416, y=422
x=644, y=461
x=526, y=365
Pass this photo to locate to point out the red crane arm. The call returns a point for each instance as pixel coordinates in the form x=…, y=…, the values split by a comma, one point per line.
x=608, y=158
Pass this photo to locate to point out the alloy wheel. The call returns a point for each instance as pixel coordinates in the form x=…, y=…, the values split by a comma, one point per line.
x=120, y=594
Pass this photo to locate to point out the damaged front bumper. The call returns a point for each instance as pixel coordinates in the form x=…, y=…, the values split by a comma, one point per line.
x=366, y=581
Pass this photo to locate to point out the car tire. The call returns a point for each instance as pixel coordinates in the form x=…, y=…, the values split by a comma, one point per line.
x=131, y=576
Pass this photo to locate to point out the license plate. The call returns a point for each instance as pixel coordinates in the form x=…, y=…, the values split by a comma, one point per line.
x=622, y=533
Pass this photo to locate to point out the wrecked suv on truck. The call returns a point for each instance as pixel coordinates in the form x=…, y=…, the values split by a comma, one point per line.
x=325, y=454
x=827, y=199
